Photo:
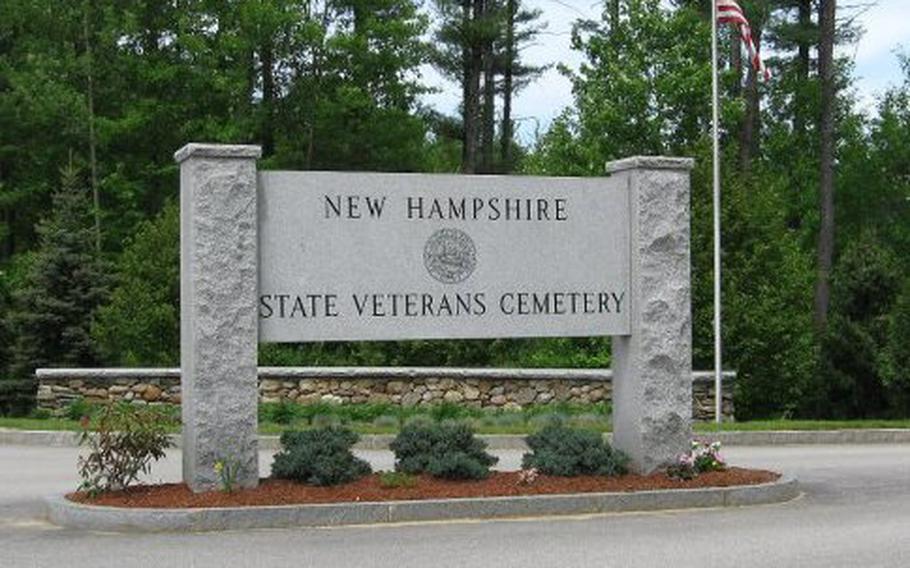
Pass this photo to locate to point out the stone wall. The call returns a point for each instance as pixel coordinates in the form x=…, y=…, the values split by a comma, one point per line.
x=488, y=388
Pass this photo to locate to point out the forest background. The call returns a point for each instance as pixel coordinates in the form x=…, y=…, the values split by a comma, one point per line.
x=95, y=97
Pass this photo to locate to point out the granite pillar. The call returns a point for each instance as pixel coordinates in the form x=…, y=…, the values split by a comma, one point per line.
x=218, y=311
x=652, y=367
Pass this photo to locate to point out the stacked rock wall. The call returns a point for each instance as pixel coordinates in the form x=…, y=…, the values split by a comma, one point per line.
x=487, y=388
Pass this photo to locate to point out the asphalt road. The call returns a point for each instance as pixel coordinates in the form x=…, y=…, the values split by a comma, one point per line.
x=855, y=512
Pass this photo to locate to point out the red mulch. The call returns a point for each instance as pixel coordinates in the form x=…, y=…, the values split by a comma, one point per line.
x=282, y=492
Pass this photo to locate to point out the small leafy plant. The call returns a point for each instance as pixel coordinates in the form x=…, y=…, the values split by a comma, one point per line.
x=702, y=457
x=226, y=469
x=122, y=442
x=560, y=450
x=283, y=412
x=396, y=479
x=319, y=457
x=447, y=449
x=79, y=408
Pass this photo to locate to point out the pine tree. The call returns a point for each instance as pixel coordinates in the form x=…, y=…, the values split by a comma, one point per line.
x=67, y=280
x=479, y=41
x=521, y=28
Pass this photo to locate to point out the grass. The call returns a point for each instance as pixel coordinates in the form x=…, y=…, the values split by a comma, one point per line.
x=388, y=419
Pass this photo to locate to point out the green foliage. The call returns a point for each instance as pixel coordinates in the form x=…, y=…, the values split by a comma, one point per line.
x=17, y=397
x=640, y=92
x=560, y=450
x=122, y=443
x=701, y=458
x=896, y=363
x=227, y=469
x=319, y=457
x=396, y=479
x=283, y=412
x=767, y=291
x=140, y=324
x=331, y=85
x=65, y=283
x=40, y=414
x=6, y=335
x=448, y=450
x=452, y=411
x=79, y=408
x=855, y=351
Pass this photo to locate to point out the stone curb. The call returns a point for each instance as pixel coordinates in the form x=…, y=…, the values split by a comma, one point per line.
x=66, y=513
x=65, y=439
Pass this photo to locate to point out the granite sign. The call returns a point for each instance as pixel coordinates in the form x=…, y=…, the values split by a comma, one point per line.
x=306, y=256
x=347, y=256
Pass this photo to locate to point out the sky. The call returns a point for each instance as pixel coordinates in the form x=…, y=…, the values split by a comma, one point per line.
x=887, y=29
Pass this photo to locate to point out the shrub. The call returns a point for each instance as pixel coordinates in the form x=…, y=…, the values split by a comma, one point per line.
x=78, y=408
x=123, y=442
x=319, y=457
x=701, y=458
x=40, y=414
x=446, y=449
x=560, y=450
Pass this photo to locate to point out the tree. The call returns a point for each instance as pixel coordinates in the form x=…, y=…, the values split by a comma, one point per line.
x=826, y=72
x=66, y=282
x=140, y=324
x=641, y=89
x=350, y=100
x=479, y=41
x=750, y=129
x=461, y=36
x=896, y=373
x=867, y=281
x=521, y=29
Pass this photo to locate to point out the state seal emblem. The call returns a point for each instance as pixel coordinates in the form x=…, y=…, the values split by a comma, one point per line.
x=449, y=256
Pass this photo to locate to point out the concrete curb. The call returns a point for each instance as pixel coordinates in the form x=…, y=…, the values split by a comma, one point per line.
x=62, y=439
x=66, y=513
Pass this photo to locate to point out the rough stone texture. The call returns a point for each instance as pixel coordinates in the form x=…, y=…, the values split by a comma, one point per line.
x=218, y=311
x=652, y=394
x=486, y=388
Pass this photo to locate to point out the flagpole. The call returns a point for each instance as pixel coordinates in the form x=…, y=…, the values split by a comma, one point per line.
x=718, y=395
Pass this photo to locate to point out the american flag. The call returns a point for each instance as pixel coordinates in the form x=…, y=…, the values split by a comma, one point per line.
x=729, y=12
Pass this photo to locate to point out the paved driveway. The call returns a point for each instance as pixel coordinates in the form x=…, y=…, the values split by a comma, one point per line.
x=855, y=512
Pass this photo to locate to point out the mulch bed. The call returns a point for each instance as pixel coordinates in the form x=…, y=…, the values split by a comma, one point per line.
x=368, y=489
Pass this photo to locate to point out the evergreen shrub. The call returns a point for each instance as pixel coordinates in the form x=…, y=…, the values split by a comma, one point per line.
x=558, y=449
x=319, y=457
x=446, y=449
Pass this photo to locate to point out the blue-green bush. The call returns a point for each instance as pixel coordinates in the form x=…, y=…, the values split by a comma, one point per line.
x=319, y=457
x=560, y=450
x=446, y=449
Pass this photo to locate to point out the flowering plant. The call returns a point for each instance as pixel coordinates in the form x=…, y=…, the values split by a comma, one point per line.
x=226, y=470
x=702, y=457
x=528, y=476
